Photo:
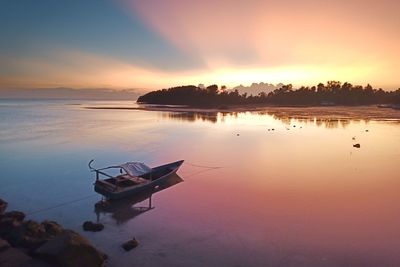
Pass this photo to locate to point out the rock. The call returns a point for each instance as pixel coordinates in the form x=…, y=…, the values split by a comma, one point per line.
x=133, y=243
x=15, y=215
x=3, y=245
x=3, y=206
x=52, y=228
x=70, y=249
x=7, y=225
x=93, y=227
x=12, y=257
x=29, y=234
x=357, y=145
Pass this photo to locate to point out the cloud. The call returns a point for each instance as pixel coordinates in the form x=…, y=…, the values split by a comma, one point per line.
x=74, y=68
x=262, y=34
x=240, y=42
x=70, y=93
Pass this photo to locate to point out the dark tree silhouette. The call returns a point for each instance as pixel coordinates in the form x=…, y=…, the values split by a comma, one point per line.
x=333, y=93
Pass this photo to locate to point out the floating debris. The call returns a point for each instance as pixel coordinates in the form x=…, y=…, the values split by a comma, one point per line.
x=273, y=129
x=237, y=134
x=354, y=138
x=357, y=145
x=367, y=131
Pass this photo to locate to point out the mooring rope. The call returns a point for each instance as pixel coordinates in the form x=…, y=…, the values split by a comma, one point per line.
x=203, y=166
x=61, y=204
x=204, y=169
x=197, y=173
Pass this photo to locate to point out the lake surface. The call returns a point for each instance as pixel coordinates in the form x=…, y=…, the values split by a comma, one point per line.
x=277, y=188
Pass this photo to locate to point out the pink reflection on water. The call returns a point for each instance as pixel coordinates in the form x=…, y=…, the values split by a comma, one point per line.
x=303, y=197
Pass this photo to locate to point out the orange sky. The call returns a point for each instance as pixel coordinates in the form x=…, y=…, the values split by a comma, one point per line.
x=224, y=42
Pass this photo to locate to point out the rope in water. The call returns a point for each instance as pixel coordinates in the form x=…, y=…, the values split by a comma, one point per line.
x=203, y=166
x=207, y=168
x=61, y=204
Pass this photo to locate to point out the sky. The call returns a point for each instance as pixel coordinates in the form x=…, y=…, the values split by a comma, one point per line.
x=151, y=44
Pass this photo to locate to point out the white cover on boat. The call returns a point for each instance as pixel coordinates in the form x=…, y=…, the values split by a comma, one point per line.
x=135, y=168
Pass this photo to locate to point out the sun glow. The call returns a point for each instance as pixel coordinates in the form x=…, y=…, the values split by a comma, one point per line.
x=297, y=75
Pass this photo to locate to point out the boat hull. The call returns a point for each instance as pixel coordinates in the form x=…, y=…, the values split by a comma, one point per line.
x=114, y=195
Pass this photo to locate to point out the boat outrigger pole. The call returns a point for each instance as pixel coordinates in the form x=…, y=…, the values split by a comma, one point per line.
x=97, y=171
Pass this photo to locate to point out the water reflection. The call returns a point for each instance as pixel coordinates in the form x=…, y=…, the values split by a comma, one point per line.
x=193, y=116
x=222, y=117
x=124, y=210
x=282, y=198
x=329, y=123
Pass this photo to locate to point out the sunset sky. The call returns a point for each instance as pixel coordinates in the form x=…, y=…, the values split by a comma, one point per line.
x=155, y=44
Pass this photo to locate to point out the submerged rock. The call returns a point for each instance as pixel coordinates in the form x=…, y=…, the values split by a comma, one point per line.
x=70, y=249
x=3, y=206
x=133, y=243
x=357, y=145
x=93, y=227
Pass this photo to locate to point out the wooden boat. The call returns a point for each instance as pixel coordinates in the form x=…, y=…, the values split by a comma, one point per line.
x=134, y=178
x=123, y=210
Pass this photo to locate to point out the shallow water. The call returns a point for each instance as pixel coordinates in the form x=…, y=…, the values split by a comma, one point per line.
x=297, y=195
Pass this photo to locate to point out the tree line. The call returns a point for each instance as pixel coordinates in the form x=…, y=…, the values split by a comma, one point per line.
x=331, y=93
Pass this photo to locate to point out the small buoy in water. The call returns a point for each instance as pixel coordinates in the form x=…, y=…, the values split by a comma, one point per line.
x=357, y=145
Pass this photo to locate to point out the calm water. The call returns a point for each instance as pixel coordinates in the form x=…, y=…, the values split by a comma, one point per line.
x=298, y=195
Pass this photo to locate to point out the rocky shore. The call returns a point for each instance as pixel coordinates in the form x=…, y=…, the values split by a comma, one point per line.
x=30, y=243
